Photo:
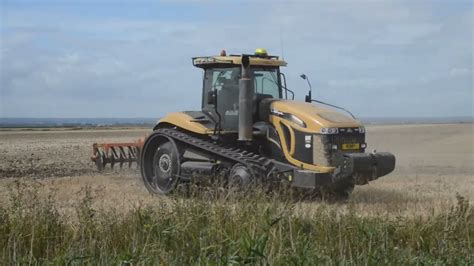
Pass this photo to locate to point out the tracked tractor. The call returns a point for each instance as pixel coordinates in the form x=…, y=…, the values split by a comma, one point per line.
x=250, y=130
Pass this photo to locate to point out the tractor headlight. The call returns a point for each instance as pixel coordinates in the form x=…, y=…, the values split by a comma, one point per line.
x=361, y=129
x=329, y=130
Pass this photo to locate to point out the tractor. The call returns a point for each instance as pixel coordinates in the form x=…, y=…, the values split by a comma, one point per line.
x=249, y=131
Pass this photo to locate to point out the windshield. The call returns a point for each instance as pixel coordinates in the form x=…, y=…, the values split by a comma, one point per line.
x=266, y=81
x=225, y=82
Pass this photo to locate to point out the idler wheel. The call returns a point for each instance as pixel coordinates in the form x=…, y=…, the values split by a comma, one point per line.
x=240, y=177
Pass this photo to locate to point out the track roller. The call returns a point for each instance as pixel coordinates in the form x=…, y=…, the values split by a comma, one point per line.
x=240, y=177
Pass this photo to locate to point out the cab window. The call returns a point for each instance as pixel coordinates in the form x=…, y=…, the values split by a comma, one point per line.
x=266, y=82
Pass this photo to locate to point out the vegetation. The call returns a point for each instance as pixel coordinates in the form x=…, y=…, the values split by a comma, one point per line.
x=225, y=228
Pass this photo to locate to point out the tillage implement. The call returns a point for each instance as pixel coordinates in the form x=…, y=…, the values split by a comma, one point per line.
x=250, y=130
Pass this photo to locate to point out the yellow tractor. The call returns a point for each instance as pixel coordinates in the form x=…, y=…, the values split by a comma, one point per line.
x=250, y=130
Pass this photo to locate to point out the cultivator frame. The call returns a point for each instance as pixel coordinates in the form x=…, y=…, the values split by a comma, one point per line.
x=116, y=153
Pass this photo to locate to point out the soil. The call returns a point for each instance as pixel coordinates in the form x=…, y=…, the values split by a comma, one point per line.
x=434, y=163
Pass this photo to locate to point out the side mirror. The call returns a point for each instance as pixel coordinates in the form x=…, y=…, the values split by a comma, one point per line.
x=309, y=97
x=212, y=97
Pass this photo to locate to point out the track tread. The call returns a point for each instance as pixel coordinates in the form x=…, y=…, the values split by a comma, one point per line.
x=259, y=166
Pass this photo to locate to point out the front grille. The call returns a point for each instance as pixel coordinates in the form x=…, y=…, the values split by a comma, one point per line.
x=322, y=146
x=340, y=139
x=321, y=150
x=347, y=138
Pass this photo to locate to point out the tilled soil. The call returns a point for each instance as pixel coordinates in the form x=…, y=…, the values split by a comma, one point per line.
x=42, y=154
x=434, y=164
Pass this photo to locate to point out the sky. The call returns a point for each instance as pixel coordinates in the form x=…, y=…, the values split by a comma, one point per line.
x=104, y=58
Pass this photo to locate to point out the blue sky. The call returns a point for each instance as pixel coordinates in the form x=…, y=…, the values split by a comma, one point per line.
x=106, y=58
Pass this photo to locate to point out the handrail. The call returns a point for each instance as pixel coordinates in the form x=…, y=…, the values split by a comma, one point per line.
x=286, y=89
x=335, y=106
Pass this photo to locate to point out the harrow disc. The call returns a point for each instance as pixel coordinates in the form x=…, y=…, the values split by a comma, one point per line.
x=116, y=153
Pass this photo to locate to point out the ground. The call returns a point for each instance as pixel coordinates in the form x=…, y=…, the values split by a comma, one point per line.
x=434, y=163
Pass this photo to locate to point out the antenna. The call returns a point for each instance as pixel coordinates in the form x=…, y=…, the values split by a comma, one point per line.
x=281, y=46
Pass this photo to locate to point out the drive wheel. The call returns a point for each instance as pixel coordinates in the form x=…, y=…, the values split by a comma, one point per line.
x=239, y=177
x=160, y=165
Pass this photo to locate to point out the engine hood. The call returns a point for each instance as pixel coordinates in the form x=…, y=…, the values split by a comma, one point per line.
x=314, y=116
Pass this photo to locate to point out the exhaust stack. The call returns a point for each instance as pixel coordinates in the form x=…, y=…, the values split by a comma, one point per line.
x=246, y=95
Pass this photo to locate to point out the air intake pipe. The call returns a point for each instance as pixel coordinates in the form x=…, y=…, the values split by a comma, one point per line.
x=246, y=95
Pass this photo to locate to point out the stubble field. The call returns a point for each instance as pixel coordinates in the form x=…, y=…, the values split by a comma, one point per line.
x=434, y=178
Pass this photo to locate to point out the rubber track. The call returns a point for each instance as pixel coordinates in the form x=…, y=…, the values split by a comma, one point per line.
x=259, y=166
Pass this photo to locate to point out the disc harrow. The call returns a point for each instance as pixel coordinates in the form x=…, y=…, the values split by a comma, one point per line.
x=116, y=153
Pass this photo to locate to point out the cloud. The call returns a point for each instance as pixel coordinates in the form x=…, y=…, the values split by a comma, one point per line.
x=405, y=34
x=88, y=59
x=363, y=83
x=460, y=72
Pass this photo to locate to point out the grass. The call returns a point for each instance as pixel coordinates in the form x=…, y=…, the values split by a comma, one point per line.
x=225, y=228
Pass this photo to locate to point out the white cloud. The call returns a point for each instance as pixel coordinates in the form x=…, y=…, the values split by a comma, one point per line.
x=459, y=72
x=102, y=62
x=363, y=83
x=406, y=34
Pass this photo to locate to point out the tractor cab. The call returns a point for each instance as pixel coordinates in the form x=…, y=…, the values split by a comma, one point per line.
x=221, y=84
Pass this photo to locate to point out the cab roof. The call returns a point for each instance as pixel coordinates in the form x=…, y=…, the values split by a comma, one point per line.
x=220, y=60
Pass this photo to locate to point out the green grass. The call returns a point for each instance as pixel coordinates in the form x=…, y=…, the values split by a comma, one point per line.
x=253, y=228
